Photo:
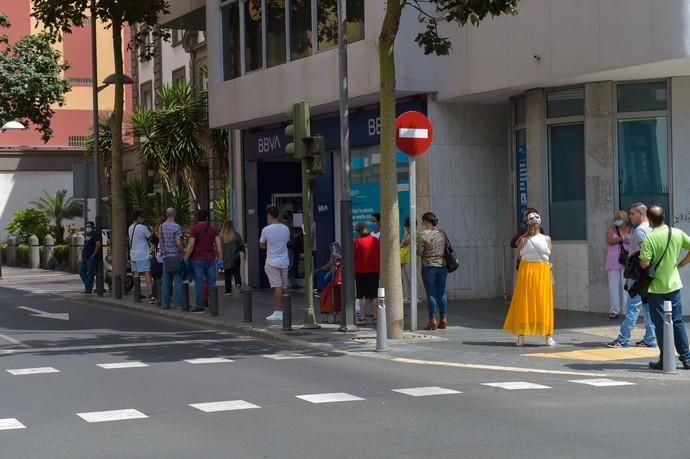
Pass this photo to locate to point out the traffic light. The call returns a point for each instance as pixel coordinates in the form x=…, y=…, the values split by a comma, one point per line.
x=299, y=130
x=315, y=148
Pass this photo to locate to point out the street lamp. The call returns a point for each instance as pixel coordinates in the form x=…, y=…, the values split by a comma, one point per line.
x=10, y=126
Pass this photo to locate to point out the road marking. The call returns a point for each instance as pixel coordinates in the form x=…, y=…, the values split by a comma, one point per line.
x=411, y=133
x=113, y=366
x=209, y=360
x=230, y=405
x=516, y=385
x=13, y=341
x=11, y=424
x=114, y=415
x=122, y=346
x=32, y=371
x=493, y=367
x=601, y=355
x=329, y=398
x=287, y=356
x=46, y=315
x=602, y=382
x=426, y=391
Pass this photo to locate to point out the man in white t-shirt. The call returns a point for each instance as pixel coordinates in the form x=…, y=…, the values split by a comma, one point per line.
x=274, y=239
x=139, y=254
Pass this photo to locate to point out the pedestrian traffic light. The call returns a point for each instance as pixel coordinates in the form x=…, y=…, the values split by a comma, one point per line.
x=315, y=148
x=299, y=130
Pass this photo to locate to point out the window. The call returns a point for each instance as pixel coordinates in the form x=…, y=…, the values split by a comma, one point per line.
x=176, y=36
x=80, y=81
x=328, y=22
x=521, y=173
x=77, y=141
x=300, y=29
x=642, y=97
x=146, y=94
x=567, y=206
x=565, y=102
x=275, y=33
x=253, y=43
x=231, y=39
x=520, y=110
x=179, y=74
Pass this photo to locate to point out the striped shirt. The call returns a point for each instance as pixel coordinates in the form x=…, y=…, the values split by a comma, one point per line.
x=167, y=234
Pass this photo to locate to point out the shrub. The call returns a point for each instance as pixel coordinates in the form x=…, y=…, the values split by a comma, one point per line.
x=61, y=254
x=27, y=222
x=3, y=253
x=23, y=254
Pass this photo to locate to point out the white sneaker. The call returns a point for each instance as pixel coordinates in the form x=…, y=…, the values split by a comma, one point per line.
x=520, y=341
x=277, y=315
x=550, y=341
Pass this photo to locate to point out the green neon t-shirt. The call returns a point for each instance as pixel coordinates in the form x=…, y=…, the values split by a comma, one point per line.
x=667, y=277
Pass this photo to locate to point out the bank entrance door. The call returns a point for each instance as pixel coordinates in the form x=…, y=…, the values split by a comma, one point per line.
x=287, y=202
x=292, y=203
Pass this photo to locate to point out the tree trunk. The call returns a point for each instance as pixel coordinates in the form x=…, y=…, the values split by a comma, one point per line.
x=390, y=215
x=118, y=218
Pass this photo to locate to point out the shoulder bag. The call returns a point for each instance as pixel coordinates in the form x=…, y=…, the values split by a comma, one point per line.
x=452, y=261
x=622, y=253
x=641, y=287
x=171, y=263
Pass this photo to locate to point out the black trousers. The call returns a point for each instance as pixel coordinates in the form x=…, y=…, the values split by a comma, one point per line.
x=234, y=273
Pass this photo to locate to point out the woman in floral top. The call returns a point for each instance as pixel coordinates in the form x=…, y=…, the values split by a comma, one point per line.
x=432, y=250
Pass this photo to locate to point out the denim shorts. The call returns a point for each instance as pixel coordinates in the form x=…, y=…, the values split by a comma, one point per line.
x=141, y=266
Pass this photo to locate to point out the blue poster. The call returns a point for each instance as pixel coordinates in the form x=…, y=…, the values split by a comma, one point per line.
x=522, y=182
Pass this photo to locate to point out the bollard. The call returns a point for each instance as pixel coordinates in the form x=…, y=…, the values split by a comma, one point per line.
x=48, y=252
x=118, y=287
x=185, y=296
x=247, y=303
x=669, y=362
x=381, y=328
x=213, y=301
x=287, y=312
x=34, y=253
x=137, y=289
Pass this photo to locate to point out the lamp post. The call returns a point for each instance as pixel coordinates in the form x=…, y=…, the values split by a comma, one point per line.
x=10, y=126
x=110, y=79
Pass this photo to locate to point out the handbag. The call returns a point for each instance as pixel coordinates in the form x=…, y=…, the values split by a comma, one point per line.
x=641, y=287
x=452, y=261
x=171, y=263
x=405, y=255
x=622, y=253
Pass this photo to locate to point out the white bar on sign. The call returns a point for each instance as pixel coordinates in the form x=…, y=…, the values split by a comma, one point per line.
x=115, y=415
x=411, y=133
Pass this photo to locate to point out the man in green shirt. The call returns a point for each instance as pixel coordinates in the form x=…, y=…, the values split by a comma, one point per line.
x=666, y=284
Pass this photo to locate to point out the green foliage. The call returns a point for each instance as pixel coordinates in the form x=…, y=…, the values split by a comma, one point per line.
x=31, y=80
x=58, y=209
x=23, y=254
x=219, y=141
x=222, y=207
x=105, y=138
x=180, y=199
x=138, y=198
x=61, y=254
x=27, y=222
x=433, y=12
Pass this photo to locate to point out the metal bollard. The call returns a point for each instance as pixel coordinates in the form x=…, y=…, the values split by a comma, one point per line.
x=247, y=303
x=669, y=362
x=137, y=289
x=118, y=287
x=185, y=296
x=381, y=326
x=213, y=301
x=287, y=312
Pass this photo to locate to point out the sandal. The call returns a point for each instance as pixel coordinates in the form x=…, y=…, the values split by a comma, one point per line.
x=613, y=315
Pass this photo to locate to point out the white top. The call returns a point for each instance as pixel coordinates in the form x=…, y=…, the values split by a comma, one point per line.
x=276, y=237
x=376, y=234
x=138, y=242
x=536, y=249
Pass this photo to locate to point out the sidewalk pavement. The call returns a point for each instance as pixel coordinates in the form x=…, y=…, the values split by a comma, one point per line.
x=474, y=338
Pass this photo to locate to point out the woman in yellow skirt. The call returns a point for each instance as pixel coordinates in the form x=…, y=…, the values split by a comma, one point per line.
x=531, y=310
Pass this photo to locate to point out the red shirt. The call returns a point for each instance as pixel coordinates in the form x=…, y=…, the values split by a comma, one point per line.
x=204, y=241
x=367, y=255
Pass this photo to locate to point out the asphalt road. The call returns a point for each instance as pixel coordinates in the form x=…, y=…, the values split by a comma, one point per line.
x=53, y=411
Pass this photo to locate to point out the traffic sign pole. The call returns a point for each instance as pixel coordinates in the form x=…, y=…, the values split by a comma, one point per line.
x=413, y=243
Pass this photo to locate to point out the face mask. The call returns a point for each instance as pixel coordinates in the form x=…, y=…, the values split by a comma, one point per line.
x=89, y=230
x=618, y=222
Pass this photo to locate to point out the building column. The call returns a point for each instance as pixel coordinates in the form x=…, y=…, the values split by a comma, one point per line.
x=601, y=186
x=680, y=157
x=537, y=149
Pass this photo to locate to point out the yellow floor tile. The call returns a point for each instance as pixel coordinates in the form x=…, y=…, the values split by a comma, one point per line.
x=601, y=355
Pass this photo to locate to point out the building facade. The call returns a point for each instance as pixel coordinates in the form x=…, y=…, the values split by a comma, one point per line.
x=576, y=107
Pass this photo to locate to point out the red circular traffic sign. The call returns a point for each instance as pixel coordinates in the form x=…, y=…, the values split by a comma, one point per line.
x=413, y=133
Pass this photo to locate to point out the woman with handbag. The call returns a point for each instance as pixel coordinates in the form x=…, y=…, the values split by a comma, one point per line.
x=618, y=237
x=531, y=309
x=432, y=250
x=406, y=261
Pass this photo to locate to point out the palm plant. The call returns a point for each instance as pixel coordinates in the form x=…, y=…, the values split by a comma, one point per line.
x=222, y=206
x=171, y=135
x=137, y=197
x=58, y=208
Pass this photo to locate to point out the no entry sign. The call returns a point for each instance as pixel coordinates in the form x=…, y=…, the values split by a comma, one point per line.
x=413, y=133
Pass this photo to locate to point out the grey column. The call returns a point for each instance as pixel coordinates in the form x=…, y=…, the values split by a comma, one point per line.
x=537, y=150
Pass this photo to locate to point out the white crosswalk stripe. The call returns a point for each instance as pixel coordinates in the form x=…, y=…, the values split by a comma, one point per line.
x=287, y=356
x=602, y=382
x=335, y=397
x=11, y=424
x=113, y=415
x=32, y=371
x=516, y=385
x=230, y=405
x=118, y=365
x=426, y=391
x=209, y=360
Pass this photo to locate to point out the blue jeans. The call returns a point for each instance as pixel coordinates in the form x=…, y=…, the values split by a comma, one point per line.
x=434, y=278
x=176, y=287
x=203, y=269
x=634, y=305
x=680, y=334
x=87, y=272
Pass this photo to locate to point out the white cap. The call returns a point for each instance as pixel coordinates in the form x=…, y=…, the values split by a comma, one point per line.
x=382, y=292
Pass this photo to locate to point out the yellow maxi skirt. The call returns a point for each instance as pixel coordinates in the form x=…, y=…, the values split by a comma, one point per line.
x=531, y=310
